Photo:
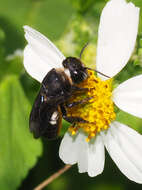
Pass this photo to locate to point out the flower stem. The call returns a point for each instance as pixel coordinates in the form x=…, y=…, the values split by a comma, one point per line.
x=52, y=177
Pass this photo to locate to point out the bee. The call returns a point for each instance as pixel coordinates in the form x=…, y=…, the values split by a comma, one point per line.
x=58, y=85
x=50, y=105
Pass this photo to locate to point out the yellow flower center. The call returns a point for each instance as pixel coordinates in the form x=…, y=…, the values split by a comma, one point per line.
x=98, y=111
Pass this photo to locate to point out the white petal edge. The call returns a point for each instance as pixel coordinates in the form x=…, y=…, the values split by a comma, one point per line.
x=124, y=146
x=128, y=96
x=47, y=52
x=116, y=36
x=89, y=156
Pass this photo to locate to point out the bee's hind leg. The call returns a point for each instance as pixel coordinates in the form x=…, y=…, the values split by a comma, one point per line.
x=74, y=119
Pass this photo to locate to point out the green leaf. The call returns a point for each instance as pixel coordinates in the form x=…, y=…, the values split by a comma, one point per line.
x=9, y=67
x=47, y=16
x=18, y=150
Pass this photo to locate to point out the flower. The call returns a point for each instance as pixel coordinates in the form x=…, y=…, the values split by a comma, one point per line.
x=116, y=40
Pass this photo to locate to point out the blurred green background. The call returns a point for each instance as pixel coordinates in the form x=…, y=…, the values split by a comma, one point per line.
x=70, y=24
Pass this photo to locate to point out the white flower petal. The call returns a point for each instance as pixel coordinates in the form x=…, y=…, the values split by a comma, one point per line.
x=68, y=149
x=82, y=156
x=82, y=161
x=88, y=156
x=116, y=36
x=47, y=52
x=128, y=96
x=124, y=147
x=73, y=149
x=34, y=65
x=96, y=157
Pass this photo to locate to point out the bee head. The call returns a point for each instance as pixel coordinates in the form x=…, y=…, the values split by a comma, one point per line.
x=77, y=71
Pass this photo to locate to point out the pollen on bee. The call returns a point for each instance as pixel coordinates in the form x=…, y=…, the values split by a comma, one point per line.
x=98, y=111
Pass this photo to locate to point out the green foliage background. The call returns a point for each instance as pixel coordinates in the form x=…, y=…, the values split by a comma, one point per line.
x=24, y=161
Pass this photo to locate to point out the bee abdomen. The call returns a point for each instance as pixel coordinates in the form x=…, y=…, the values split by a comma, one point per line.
x=51, y=131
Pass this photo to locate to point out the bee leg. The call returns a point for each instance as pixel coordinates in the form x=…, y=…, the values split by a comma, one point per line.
x=79, y=89
x=74, y=119
x=71, y=119
x=70, y=105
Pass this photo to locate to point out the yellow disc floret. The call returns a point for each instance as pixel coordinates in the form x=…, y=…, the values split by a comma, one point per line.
x=98, y=112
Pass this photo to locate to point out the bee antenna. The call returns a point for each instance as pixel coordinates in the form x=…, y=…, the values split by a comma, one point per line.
x=97, y=72
x=82, y=50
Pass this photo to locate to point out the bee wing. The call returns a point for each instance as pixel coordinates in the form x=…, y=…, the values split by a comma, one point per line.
x=34, y=121
x=45, y=119
x=40, y=55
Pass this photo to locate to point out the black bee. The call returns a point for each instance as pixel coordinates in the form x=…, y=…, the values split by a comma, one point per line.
x=50, y=105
